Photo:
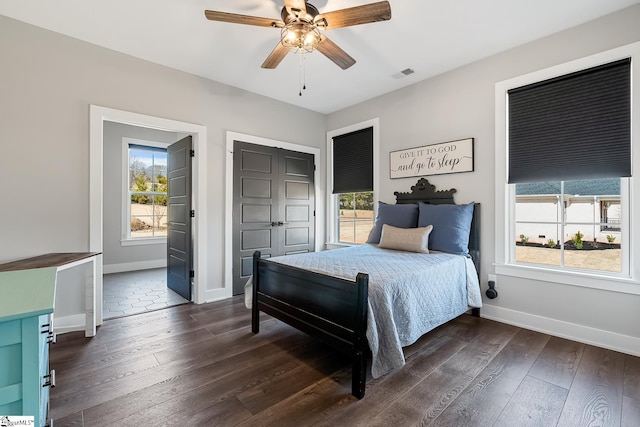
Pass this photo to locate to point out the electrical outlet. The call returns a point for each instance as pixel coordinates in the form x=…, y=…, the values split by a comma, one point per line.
x=492, y=278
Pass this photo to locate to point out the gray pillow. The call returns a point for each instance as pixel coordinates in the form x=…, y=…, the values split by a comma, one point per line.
x=403, y=216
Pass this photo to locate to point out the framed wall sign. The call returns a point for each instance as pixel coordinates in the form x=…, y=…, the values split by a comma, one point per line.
x=436, y=159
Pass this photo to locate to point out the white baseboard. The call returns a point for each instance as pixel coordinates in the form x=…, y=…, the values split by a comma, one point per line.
x=212, y=295
x=75, y=322
x=584, y=334
x=134, y=266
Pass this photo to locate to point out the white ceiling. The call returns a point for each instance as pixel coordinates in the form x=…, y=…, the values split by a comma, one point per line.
x=428, y=36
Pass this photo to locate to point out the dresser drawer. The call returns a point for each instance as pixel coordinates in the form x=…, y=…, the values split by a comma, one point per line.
x=24, y=367
x=11, y=367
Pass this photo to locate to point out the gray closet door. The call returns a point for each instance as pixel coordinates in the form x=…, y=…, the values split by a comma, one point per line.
x=297, y=203
x=179, y=246
x=273, y=205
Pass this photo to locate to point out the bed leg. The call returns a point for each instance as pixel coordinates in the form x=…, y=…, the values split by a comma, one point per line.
x=359, y=374
x=475, y=312
x=255, y=313
x=359, y=370
x=255, y=319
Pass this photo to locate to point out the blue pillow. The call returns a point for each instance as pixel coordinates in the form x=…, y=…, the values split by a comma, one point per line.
x=451, y=226
x=403, y=216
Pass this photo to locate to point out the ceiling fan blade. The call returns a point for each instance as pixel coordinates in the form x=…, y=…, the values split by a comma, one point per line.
x=374, y=12
x=275, y=57
x=334, y=53
x=295, y=5
x=234, y=18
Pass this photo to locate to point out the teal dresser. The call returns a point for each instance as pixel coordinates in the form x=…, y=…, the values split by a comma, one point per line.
x=26, y=307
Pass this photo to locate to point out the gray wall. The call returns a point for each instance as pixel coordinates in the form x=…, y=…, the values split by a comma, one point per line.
x=48, y=81
x=460, y=104
x=114, y=254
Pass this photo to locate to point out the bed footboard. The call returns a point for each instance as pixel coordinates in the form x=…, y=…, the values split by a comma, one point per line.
x=327, y=307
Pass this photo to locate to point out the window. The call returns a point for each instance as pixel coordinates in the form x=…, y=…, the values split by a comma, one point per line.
x=146, y=192
x=355, y=216
x=562, y=224
x=351, y=163
x=563, y=199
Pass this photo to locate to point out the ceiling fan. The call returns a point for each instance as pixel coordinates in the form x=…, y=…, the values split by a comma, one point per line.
x=301, y=24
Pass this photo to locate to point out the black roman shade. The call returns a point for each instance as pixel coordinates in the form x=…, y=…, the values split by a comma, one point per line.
x=353, y=162
x=576, y=126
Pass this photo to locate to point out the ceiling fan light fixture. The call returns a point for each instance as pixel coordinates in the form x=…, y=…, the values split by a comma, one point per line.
x=301, y=26
x=300, y=36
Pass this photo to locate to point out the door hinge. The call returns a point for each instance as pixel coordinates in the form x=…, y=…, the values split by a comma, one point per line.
x=193, y=213
x=314, y=212
x=192, y=273
x=192, y=153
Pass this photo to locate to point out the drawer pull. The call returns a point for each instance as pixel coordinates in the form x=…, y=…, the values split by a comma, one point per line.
x=50, y=380
x=51, y=338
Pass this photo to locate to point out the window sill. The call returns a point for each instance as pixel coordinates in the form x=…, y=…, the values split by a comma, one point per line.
x=573, y=278
x=144, y=241
x=335, y=245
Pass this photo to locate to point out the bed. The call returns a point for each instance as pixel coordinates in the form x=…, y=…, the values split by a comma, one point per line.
x=369, y=300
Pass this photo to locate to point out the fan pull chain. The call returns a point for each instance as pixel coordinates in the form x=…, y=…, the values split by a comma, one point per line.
x=302, y=85
x=304, y=72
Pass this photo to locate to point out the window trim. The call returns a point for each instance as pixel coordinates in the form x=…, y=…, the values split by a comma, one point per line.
x=332, y=239
x=126, y=239
x=505, y=193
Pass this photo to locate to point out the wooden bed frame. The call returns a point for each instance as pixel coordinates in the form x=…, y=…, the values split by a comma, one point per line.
x=331, y=308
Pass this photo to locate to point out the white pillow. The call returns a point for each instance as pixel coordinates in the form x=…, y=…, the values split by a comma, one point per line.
x=405, y=239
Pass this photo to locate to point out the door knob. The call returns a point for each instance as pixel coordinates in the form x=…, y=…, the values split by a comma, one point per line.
x=274, y=223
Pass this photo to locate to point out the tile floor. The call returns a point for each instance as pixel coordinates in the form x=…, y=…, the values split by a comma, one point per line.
x=135, y=292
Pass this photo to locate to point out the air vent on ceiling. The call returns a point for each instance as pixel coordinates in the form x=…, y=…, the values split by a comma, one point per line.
x=404, y=73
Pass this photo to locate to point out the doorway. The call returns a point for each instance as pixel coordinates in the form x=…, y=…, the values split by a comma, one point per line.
x=147, y=175
x=100, y=115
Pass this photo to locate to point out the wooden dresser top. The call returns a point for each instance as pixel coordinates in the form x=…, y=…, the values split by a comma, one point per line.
x=46, y=260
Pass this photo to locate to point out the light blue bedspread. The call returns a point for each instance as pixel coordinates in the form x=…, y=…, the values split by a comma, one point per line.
x=409, y=293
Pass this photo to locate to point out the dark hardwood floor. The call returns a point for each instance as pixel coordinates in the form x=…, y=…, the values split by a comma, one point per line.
x=200, y=365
